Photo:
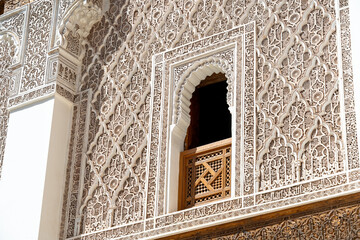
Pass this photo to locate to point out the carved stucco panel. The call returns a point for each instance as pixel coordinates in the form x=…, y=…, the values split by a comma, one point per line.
x=37, y=42
x=293, y=57
x=15, y=23
x=14, y=4
x=339, y=223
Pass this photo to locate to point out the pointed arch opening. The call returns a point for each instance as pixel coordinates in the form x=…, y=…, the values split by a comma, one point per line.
x=2, y=6
x=205, y=165
x=210, y=118
x=202, y=126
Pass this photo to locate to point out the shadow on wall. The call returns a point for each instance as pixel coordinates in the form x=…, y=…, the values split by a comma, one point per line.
x=119, y=84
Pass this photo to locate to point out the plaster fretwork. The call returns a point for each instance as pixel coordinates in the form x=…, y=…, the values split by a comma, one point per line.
x=38, y=36
x=77, y=23
x=186, y=73
x=289, y=134
x=14, y=4
x=341, y=223
x=130, y=67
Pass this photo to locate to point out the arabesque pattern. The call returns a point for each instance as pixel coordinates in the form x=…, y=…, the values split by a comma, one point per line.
x=39, y=31
x=290, y=120
x=13, y=4
x=297, y=86
x=342, y=223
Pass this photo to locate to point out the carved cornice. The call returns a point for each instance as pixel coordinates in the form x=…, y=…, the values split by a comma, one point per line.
x=78, y=21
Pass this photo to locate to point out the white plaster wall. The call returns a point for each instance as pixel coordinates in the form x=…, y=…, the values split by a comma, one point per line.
x=354, y=6
x=33, y=176
x=56, y=169
x=22, y=181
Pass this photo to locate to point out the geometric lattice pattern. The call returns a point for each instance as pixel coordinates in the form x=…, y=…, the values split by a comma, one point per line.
x=296, y=85
x=207, y=170
x=293, y=146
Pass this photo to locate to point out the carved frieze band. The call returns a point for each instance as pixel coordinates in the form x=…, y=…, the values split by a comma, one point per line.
x=339, y=223
x=218, y=213
x=39, y=93
x=31, y=95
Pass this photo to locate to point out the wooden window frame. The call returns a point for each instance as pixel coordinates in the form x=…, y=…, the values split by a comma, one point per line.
x=225, y=171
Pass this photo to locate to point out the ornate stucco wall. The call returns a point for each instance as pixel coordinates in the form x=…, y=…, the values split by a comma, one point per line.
x=339, y=223
x=129, y=67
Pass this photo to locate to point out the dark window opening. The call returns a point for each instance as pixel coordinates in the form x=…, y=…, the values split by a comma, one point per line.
x=209, y=112
x=2, y=6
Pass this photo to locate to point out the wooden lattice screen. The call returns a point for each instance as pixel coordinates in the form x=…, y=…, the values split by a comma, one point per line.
x=205, y=174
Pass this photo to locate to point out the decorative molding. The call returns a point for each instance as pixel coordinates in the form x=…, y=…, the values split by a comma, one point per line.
x=193, y=63
x=69, y=225
x=62, y=91
x=31, y=96
x=77, y=22
x=124, y=65
x=328, y=221
x=220, y=213
x=348, y=90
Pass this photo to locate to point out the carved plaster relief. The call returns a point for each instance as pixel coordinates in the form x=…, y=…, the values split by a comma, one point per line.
x=297, y=83
x=77, y=22
x=339, y=223
x=13, y=29
x=186, y=70
x=291, y=149
x=301, y=75
x=38, y=36
x=14, y=4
